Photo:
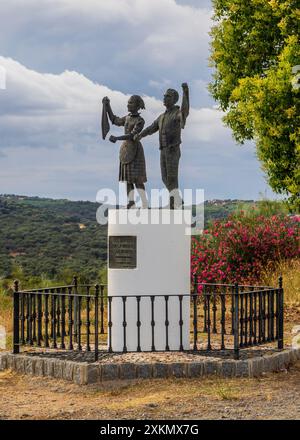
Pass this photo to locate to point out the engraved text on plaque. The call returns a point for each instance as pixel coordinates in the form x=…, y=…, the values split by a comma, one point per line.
x=122, y=252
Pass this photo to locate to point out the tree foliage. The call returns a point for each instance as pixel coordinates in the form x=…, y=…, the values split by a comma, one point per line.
x=255, y=46
x=51, y=238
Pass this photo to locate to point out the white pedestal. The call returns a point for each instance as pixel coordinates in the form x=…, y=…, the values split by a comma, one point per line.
x=162, y=268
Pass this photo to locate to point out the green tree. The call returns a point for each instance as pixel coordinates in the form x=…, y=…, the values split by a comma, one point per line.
x=255, y=45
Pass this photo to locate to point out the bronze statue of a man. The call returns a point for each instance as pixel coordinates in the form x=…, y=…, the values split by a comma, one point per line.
x=169, y=124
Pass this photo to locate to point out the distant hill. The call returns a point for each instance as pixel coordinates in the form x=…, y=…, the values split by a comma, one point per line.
x=47, y=236
x=53, y=237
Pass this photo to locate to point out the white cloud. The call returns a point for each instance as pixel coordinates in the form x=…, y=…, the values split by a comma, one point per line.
x=78, y=51
x=116, y=42
x=46, y=110
x=205, y=124
x=51, y=144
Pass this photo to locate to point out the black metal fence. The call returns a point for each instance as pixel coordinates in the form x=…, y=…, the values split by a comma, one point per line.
x=79, y=317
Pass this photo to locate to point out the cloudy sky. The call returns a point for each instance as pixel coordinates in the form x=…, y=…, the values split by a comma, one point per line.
x=62, y=56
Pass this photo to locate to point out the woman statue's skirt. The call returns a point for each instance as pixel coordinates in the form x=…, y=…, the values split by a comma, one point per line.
x=134, y=171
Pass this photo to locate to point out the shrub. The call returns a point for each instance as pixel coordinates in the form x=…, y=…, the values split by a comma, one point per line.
x=239, y=248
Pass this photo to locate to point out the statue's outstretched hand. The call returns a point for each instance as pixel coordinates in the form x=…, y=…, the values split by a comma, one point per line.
x=113, y=139
x=185, y=86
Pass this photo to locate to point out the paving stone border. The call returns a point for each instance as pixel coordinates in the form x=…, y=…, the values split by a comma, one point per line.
x=83, y=373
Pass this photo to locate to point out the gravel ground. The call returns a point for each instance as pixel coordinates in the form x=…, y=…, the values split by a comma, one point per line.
x=153, y=357
x=273, y=396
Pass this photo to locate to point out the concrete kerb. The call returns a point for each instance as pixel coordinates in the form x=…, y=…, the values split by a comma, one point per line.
x=83, y=373
x=3, y=361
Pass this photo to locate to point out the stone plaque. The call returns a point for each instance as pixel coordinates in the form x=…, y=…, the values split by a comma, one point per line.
x=122, y=252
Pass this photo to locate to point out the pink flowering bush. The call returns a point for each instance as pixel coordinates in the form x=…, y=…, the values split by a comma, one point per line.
x=240, y=248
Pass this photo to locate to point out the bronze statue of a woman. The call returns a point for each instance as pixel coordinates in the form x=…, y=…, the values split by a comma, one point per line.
x=132, y=168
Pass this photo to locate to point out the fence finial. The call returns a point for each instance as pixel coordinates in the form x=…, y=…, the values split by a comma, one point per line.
x=280, y=282
x=16, y=285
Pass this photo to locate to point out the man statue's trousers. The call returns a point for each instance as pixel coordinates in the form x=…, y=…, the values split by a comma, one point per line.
x=169, y=163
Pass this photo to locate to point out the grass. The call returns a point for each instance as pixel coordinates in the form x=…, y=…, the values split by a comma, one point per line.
x=224, y=391
x=290, y=271
x=216, y=388
x=272, y=396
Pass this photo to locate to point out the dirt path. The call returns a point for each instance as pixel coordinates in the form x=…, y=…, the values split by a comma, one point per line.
x=274, y=396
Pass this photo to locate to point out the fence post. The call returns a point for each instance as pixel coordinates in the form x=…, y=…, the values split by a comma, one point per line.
x=236, y=321
x=195, y=320
x=102, y=309
x=96, y=322
x=75, y=284
x=195, y=287
x=280, y=318
x=16, y=337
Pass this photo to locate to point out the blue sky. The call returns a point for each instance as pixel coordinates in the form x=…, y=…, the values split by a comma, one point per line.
x=62, y=56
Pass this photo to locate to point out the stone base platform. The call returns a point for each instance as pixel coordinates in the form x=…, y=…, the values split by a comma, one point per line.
x=80, y=368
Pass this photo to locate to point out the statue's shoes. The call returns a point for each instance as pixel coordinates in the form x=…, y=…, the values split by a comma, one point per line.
x=131, y=205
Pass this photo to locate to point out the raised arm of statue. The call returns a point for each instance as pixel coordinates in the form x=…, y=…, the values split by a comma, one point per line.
x=185, y=106
x=113, y=118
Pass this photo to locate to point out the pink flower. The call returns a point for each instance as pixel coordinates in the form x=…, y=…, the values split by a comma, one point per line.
x=242, y=247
